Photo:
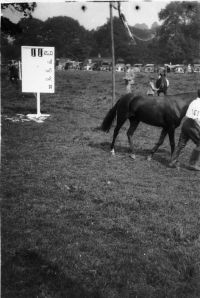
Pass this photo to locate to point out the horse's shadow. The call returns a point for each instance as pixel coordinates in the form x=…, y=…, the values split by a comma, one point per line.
x=30, y=275
x=23, y=110
x=162, y=155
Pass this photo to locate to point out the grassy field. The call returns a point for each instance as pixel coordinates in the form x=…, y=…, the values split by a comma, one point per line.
x=77, y=222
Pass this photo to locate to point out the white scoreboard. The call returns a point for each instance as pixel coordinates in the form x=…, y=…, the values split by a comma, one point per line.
x=38, y=69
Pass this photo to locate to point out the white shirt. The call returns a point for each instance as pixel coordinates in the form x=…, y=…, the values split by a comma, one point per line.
x=130, y=75
x=152, y=86
x=193, y=110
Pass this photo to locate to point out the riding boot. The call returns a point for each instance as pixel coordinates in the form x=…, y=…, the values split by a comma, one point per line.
x=181, y=144
x=194, y=160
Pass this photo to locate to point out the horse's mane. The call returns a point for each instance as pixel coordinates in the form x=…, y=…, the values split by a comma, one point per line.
x=168, y=95
x=181, y=94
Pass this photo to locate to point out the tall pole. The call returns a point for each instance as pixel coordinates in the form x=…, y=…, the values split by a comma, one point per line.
x=38, y=105
x=113, y=55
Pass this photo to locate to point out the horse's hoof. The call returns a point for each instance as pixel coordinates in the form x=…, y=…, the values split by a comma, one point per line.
x=149, y=158
x=174, y=164
x=132, y=156
x=112, y=152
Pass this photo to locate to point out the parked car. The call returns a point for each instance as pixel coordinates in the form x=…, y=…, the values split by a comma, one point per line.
x=179, y=69
x=137, y=67
x=120, y=67
x=196, y=67
x=149, y=68
x=105, y=67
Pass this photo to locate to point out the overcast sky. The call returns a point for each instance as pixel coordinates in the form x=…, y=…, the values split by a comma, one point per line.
x=96, y=14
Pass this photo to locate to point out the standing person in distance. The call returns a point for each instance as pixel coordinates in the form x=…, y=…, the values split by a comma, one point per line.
x=129, y=79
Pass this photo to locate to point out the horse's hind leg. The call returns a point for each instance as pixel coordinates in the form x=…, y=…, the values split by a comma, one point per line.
x=159, y=143
x=120, y=122
x=133, y=126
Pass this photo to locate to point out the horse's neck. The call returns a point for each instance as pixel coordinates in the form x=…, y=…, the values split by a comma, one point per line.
x=188, y=98
x=183, y=101
x=158, y=82
x=161, y=82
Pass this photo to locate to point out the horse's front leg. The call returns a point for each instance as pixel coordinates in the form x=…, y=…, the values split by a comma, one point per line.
x=158, y=144
x=133, y=126
x=171, y=140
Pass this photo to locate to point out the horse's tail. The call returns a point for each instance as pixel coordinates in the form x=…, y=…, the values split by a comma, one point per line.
x=109, y=118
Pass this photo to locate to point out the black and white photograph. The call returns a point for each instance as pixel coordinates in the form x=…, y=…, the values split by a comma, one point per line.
x=100, y=149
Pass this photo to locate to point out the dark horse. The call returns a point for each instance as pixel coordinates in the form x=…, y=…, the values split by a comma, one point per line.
x=166, y=112
x=162, y=84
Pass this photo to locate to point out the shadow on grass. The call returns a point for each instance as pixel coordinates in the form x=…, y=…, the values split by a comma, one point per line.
x=105, y=146
x=28, y=275
x=186, y=167
x=21, y=110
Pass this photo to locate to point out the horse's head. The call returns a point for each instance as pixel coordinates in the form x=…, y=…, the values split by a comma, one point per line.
x=161, y=83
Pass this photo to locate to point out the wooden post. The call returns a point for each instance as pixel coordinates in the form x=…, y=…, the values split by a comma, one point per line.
x=38, y=105
x=113, y=55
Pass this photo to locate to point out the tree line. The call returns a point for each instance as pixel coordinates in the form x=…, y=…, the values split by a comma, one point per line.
x=177, y=40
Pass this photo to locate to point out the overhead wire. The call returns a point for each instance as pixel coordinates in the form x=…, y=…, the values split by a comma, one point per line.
x=126, y=25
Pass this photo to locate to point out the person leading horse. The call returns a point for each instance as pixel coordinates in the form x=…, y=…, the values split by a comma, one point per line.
x=160, y=86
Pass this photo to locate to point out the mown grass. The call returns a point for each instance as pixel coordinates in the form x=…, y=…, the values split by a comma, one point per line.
x=77, y=222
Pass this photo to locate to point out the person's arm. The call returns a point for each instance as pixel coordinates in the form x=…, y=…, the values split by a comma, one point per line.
x=152, y=86
x=189, y=112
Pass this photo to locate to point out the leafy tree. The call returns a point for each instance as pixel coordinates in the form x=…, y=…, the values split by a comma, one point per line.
x=176, y=40
x=10, y=30
x=25, y=8
x=180, y=31
x=67, y=36
x=123, y=46
x=7, y=49
x=31, y=34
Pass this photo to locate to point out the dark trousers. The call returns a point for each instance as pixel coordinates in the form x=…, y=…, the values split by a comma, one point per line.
x=190, y=131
